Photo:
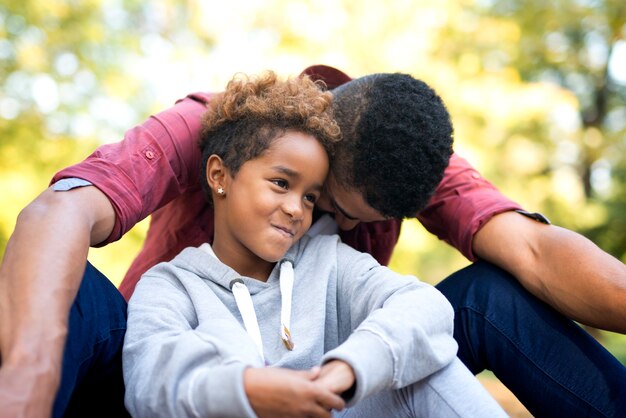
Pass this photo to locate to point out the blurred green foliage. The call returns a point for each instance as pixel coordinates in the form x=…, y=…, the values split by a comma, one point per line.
x=537, y=91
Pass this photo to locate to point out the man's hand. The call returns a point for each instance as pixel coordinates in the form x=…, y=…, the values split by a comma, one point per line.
x=336, y=376
x=283, y=393
x=559, y=266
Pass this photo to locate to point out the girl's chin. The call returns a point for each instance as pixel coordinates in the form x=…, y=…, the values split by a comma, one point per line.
x=274, y=257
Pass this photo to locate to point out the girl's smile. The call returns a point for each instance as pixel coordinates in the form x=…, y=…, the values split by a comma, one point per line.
x=268, y=204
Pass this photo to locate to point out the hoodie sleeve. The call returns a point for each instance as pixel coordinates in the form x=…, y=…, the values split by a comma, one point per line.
x=173, y=366
x=397, y=330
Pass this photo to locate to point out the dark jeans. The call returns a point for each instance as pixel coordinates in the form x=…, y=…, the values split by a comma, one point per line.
x=551, y=364
x=92, y=383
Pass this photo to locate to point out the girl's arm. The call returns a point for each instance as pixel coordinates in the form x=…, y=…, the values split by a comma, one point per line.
x=173, y=365
x=401, y=327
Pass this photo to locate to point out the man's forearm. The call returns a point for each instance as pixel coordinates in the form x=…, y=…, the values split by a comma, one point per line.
x=580, y=280
x=559, y=266
x=39, y=277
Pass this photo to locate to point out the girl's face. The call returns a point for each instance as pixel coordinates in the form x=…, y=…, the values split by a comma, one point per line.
x=268, y=205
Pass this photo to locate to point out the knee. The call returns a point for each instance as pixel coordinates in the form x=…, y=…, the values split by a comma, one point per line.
x=98, y=297
x=99, y=310
x=96, y=328
x=481, y=286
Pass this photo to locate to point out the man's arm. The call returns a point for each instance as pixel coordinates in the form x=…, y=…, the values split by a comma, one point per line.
x=39, y=277
x=559, y=266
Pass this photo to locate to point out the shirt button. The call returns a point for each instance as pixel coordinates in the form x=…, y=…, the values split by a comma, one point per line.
x=475, y=175
x=149, y=155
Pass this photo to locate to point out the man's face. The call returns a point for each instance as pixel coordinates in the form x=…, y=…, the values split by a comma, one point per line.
x=348, y=206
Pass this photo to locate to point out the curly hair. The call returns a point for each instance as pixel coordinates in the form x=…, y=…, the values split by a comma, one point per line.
x=243, y=121
x=396, y=141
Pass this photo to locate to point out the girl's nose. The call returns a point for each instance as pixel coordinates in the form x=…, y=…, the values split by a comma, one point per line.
x=293, y=206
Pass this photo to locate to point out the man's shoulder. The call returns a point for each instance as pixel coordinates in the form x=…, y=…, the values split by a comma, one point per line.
x=199, y=96
x=331, y=76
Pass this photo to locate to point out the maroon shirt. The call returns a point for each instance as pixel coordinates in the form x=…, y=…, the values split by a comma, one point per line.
x=156, y=168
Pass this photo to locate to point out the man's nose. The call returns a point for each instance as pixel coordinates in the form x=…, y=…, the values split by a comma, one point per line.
x=344, y=223
x=324, y=204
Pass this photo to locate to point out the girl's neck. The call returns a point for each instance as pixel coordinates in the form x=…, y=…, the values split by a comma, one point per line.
x=244, y=264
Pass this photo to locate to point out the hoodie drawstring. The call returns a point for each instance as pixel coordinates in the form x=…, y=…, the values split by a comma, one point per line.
x=286, y=289
x=246, y=307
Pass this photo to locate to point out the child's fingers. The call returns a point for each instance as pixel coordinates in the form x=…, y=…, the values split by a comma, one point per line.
x=329, y=400
x=310, y=374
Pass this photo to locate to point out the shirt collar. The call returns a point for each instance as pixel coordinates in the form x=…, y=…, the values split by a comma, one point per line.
x=329, y=75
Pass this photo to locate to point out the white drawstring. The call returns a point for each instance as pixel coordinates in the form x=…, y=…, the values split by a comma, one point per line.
x=246, y=306
x=246, y=309
x=286, y=288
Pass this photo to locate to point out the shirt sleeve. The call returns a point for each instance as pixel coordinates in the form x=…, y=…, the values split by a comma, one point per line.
x=154, y=163
x=400, y=329
x=463, y=202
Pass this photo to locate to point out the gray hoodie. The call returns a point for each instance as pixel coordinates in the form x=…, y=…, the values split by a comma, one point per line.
x=186, y=346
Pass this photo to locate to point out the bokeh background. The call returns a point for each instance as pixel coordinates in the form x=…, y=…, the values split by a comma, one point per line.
x=536, y=89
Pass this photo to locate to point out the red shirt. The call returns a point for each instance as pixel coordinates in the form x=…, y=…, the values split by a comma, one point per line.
x=155, y=170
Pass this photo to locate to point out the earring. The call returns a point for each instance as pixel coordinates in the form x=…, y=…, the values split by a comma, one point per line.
x=220, y=191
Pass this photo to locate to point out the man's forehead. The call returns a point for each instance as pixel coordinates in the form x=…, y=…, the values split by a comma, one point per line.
x=351, y=203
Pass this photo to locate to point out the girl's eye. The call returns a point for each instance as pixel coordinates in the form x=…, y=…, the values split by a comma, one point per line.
x=280, y=183
x=311, y=198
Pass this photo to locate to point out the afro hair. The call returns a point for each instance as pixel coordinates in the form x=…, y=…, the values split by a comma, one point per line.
x=396, y=141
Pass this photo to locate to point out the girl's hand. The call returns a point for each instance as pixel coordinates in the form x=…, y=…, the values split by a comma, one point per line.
x=275, y=392
x=336, y=376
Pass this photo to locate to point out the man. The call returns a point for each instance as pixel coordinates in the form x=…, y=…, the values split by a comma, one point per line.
x=534, y=350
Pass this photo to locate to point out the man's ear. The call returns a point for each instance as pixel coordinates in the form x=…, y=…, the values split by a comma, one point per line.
x=216, y=174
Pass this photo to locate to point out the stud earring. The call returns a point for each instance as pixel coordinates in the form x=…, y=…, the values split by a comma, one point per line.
x=220, y=191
